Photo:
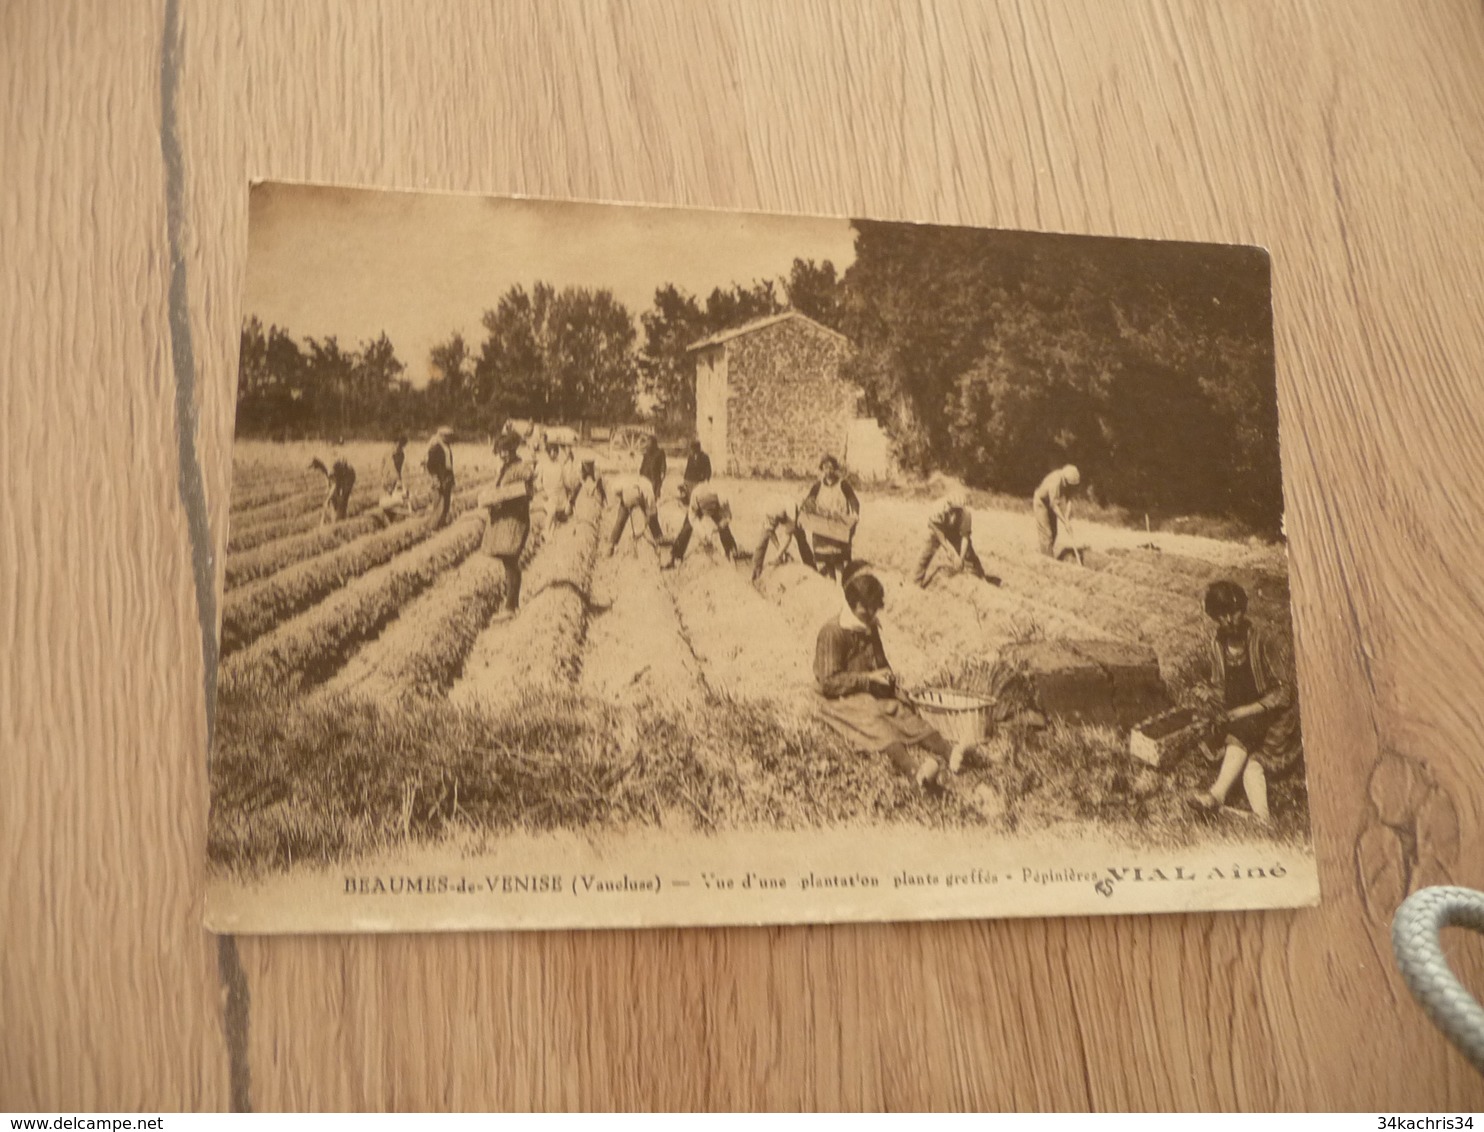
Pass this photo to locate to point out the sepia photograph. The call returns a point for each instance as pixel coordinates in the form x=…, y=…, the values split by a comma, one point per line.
x=597, y=565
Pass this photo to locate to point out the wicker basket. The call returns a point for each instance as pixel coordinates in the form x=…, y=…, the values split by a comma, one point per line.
x=1161, y=738
x=962, y=717
x=827, y=526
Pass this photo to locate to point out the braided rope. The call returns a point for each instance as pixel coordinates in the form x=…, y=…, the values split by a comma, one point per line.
x=1419, y=955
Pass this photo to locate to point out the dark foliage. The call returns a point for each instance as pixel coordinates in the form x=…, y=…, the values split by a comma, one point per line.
x=998, y=355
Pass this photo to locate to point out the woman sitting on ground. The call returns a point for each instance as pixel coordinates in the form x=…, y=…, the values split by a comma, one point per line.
x=1261, y=723
x=861, y=700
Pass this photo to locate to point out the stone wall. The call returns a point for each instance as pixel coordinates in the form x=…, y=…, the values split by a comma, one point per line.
x=787, y=406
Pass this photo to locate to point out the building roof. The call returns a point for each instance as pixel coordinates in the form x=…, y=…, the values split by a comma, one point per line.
x=760, y=324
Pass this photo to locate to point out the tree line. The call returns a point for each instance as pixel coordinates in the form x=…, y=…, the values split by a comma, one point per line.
x=572, y=355
x=991, y=355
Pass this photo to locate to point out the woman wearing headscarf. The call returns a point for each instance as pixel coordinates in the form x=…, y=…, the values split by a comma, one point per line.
x=860, y=698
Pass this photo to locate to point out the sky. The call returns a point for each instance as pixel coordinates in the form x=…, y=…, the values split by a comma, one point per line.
x=354, y=262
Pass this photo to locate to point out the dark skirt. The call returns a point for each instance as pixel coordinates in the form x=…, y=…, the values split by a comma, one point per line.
x=1272, y=740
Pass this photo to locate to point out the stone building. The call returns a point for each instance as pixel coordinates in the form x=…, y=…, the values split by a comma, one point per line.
x=769, y=396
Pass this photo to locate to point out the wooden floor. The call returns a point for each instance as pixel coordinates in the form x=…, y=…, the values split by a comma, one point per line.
x=1346, y=137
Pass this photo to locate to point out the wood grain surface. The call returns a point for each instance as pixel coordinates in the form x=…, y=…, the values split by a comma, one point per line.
x=1346, y=137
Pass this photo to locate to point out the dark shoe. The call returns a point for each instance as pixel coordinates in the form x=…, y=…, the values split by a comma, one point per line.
x=1203, y=803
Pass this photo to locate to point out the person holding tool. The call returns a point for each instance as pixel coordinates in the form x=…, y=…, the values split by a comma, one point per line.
x=703, y=504
x=951, y=531
x=1052, y=505
x=780, y=528
x=341, y=478
x=630, y=494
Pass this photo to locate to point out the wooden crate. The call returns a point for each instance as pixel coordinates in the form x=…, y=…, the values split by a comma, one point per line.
x=1161, y=739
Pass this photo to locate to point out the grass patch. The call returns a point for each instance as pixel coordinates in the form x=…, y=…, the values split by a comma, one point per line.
x=340, y=777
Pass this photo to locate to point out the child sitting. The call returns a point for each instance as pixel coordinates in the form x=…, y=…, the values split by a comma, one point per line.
x=1260, y=718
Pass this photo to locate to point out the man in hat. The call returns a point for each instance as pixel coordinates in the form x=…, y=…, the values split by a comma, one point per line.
x=832, y=497
x=697, y=465
x=703, y=503
x=1052, y=505
x=509, y=516
x=341, y=479
x=951, y=531
x=439, y=464
x=652, y=464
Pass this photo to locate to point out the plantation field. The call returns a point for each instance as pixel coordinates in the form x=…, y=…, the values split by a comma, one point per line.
x=369, y=700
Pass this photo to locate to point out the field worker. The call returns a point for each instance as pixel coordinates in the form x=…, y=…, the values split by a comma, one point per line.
x=861, y=700
x=703, y=504
x=1259, y=721
x=780, y=529
x=697, y=465
x=652, y=465
x=439, y=465
x=951, y=531
x=395, y=504
x=341, y=478
x=630, y=494
x=557, y=480
x=832, y=497
x=1052, y=504
x=391, y=468
x=509, y=518
x=590, y=484
x=534, y=447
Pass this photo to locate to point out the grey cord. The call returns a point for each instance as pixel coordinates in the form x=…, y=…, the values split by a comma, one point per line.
x=1419, y=955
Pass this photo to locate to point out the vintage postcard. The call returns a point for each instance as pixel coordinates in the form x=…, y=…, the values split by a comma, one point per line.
x=611, y=566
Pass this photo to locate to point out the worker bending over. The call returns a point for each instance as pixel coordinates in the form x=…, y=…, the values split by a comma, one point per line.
x=631, y=495
x=341, y=479
x=951, y=532
x=703, y=503
x=1052, y=504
